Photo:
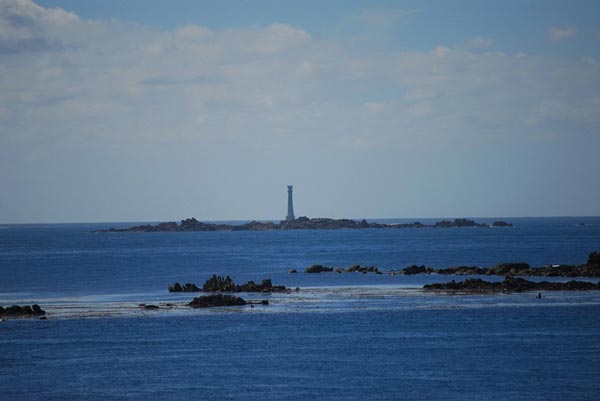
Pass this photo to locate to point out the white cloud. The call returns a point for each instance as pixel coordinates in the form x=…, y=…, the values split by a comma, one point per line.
x=561, y=34
x=274, y=87
x=441, y=51
x=26, y=26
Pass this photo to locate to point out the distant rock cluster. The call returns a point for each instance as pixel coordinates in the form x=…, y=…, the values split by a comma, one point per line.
x=301, y=223
x=590, y=269
x=351, y=269
x=510, y=284
x=21, y=311
x=226, y=284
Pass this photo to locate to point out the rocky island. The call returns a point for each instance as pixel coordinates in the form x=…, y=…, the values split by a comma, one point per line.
x=301, y=223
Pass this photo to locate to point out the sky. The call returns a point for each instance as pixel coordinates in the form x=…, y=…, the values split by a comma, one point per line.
x=146, y=110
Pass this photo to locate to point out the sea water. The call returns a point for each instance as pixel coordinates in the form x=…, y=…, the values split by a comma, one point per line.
x=342, y=336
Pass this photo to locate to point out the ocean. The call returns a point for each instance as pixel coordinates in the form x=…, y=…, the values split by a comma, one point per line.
x=344, y=336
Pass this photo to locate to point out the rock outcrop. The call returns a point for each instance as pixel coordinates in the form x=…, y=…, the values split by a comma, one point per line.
x=510, y=284
x=318, y=269
x=209, y=301
x=22, y=311
x=594, y=259
x=187, y=287
x=351, y=269
x=226, y=284
x=414, y=269
x=501, y=223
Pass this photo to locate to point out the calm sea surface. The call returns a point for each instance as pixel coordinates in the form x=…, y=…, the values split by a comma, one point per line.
x=342, y=336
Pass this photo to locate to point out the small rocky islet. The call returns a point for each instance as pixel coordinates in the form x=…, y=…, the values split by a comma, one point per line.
x=301, y=223
x=21, y=311
x=226, y=284
x=220, y=284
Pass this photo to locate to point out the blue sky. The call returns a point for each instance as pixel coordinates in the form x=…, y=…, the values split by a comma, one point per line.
x=155, y=110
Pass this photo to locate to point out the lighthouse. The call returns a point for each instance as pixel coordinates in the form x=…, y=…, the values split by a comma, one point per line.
x=290, y=213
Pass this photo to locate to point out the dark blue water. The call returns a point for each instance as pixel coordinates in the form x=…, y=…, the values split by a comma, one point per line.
x=71, y=259
x=342, y=337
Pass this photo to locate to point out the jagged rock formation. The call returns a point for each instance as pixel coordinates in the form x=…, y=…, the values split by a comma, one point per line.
x=301, y=223
x=318, y=269
x=21, y=311
x=414, y=269
x=226, y=284
x=510, y=284
x=187, y=287
x=351, y=269
x=209, y=301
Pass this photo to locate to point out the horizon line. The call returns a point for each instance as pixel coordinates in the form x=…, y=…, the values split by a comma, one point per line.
x=274, y=220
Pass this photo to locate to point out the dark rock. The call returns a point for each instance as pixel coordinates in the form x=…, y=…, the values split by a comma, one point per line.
x=414, y=269
x=209, y=301
x=594, y=258
x=219, y=284
x=26, y=310
x=501, y=223
x=458, y=223
x=187, y=287
x=37, y=310
x=13, y=310
x=16, y=310
x=318, y=269
x=508, y=268
x=292, y=271
x=151, y=307
x=362, y=269
x=226, y=284
x=462, y=270
x=511, y=284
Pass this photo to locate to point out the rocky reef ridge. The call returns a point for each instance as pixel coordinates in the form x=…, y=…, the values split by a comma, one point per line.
x=21, y=311
x=510, y=284
x=590, y=269
x=301, y=223
x=351, y=269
